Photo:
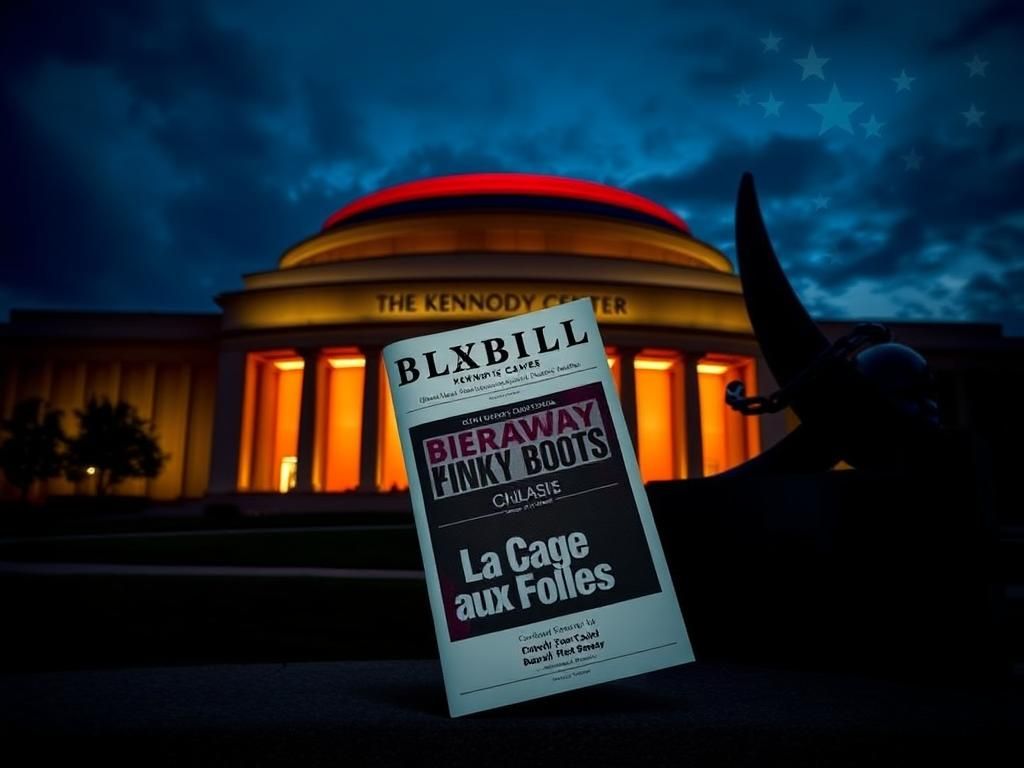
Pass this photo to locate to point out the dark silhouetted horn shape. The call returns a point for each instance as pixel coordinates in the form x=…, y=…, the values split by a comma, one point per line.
x=790, y=341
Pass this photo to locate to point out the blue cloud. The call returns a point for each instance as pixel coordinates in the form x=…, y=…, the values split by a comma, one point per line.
x=155, y=151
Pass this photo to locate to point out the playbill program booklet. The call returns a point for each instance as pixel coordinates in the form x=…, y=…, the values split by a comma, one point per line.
x=543, y=565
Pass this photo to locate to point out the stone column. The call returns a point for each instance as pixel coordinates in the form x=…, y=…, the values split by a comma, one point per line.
x=307, y=420
x=370, y=439
x=627, y=392
x=227, y=421
x=691, y=394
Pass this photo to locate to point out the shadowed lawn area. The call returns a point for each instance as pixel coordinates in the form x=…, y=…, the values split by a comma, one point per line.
x=387, y=547
x=69, y=617
x=75, y=621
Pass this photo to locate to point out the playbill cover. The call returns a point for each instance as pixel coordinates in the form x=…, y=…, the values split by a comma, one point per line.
x=543, y=565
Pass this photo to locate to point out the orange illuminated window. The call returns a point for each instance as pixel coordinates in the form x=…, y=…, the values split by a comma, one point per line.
x=341, y=418
x=728, y=437
x=659, y=423
x=390, y=468
x=270, y=423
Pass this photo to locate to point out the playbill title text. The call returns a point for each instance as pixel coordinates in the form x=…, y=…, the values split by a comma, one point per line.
x=516, y=449
x=524, y=558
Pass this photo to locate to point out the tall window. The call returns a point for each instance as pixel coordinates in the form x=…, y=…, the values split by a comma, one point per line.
x=659, y=411
x=340, y=418
x=729, y=438
x=390, y=468
x=270, y=421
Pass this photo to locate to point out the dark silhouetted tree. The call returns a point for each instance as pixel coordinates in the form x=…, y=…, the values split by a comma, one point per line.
x=32, y=448
x=113, y=443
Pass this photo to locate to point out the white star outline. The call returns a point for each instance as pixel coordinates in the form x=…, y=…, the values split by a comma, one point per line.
x=903, y=81
x=812, y=65
x=835, y=113
x=973, y=116
x=771, y=107
x=976, y=66
x=872, y=127
x=771, y=43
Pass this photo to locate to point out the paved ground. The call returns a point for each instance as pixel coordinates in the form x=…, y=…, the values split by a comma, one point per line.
x=227, y=571
x=393, y=713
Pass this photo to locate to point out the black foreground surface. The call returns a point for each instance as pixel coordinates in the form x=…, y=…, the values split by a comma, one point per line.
x=394, y=713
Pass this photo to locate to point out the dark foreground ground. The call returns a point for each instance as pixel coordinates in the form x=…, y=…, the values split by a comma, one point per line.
x=840, y=620
x=386, y=713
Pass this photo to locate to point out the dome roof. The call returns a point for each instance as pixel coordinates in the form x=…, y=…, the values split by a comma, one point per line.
x=519, y=191
x=504, y=216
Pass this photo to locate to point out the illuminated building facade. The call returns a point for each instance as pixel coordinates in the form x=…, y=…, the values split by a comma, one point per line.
x=284, y=390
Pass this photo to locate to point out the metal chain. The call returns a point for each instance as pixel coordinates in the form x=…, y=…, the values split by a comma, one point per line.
x=845, y=348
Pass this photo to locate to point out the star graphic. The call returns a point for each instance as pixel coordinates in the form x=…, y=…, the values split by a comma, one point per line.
x=835, y=113
x=973, y=116
x=903, y=82
x=812, y=65
x=976, y=66
x=743, y=98
x=820, y=202
x=771, y=107
x=913, y=160
x=872, y=127
x=771, y=43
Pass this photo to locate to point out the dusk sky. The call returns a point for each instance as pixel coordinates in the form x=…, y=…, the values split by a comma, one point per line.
x=153, y=153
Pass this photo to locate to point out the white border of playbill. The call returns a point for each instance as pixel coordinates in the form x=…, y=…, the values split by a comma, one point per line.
x=543, y=565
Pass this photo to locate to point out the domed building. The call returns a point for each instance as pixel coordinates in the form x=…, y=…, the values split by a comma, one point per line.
x=284, y=391
x=303, y=341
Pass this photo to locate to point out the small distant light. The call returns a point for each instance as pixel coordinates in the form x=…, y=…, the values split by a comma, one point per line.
x=715, y=369
x=90, y=470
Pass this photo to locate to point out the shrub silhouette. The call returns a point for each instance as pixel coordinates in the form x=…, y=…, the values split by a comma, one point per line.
x=113, y=443
x=32, y=450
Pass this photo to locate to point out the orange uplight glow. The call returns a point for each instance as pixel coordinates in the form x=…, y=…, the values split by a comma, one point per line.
x=344, y=380
x=658, y=417
x=286, y=425
x=713, y=369
x=728, y=437
x=270, y=421
x=391, y=468
x=347, y=362
x=648, y=364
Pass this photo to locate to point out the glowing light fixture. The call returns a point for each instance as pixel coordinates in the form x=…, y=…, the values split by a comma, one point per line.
x=90, y=470
x=347, y=362
x=714, y=369
x=289, y=365
x=611, y=362
x=648, y=364
x=288, y=473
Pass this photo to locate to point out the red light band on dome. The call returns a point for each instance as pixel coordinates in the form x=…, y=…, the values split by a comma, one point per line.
x=525, y=184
